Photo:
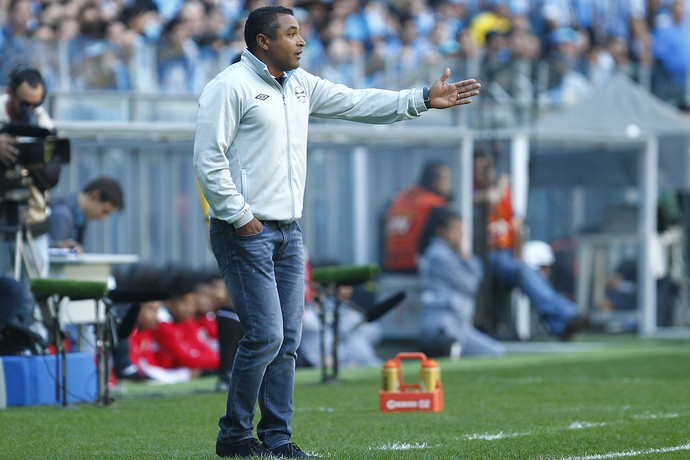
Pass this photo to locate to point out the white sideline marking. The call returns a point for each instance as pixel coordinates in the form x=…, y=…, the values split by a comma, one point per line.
x=402, y=446
x=657, y=416
x=573, y=426
x=630, y=453
x=493, y=436
x=582, y=425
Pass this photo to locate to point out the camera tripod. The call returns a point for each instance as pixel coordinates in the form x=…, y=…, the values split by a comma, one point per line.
x=25, y=260
x=13, y=206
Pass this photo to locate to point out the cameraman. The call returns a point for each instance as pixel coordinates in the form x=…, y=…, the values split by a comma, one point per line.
x=21, y=106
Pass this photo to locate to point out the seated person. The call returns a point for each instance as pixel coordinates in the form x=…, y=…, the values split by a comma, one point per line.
x=70, y=215
x=504, y=235
x=450, y=279
x=405, y=230
x=144, y=351
x=140, y=280
x=357, y=338
x=178, y=332
x=167, y=343
x=220, y=325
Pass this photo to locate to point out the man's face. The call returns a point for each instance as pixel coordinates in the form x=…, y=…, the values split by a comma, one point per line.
x=24, y=100
x=96, y=209
x=444, y=182
x=286, y=48
x=484, y=171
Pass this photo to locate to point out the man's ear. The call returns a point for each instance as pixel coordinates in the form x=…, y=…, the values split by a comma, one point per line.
x=262, y=41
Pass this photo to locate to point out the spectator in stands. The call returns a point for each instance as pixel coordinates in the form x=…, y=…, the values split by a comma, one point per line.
x=16, y=33
x=496, y=59
x=566, y=61
x=178, y=58
x=68, y=222
x=450, y=278
x=373, y=32
x=504, y=234
x=496, y=18
x=672, y=52
x=405, y=227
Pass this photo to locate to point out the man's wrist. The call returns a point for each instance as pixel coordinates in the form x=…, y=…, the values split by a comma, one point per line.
x=425, y=96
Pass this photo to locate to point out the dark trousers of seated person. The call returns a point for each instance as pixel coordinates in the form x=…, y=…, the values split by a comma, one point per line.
x=229, y=334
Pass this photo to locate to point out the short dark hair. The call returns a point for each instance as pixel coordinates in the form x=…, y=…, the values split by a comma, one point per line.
x=439, y=218
x=109, y=191
x=445, y=216
x=25, y=73
x=431, y=173
x=263, y=21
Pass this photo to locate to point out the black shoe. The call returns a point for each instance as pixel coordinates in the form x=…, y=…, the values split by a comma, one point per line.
x=577, y=324
x=246, y=448
x=289, y=450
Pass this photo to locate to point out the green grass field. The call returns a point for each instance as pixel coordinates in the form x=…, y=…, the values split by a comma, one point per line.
x=597, y=399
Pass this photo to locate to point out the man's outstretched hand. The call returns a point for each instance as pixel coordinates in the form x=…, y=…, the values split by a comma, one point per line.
x=443, y=95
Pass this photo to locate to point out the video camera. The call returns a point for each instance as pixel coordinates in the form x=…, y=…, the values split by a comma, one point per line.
x=37, y=145
x=40, y=152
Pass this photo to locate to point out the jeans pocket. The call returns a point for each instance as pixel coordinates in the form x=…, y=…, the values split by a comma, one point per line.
x=253, y=235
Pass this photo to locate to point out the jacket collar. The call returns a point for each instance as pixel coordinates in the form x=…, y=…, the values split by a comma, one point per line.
x=261, y=68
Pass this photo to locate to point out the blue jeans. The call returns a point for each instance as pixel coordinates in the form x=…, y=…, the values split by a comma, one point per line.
x=554, y=309
x=265, y=277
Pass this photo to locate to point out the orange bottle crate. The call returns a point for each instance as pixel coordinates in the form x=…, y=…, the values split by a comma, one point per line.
x=410, y=397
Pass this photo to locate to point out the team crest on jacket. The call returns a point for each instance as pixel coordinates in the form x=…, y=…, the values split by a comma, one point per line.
x=262, y=97
x=300, y=94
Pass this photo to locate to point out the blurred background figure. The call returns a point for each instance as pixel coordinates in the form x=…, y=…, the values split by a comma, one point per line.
x=410, y=214
x=70, y=216
x=24, y=208
x=450, y=280
x=504, y=233
x=357, y=338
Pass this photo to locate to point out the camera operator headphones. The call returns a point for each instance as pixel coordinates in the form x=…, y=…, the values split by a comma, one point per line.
x=25, y=73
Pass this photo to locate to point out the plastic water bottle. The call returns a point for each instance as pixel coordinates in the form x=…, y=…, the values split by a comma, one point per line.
x=391, y=370
x=429, y=375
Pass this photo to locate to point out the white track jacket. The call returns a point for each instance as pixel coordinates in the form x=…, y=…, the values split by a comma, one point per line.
x=250, y=149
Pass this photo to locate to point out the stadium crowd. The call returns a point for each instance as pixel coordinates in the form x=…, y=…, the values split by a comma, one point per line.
x=550, y=49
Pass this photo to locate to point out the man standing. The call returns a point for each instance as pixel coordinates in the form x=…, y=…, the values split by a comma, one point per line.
x=250, y=159
x=70, y=215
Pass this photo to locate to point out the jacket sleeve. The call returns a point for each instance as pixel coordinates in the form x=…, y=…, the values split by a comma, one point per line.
x=448, y=268
x=375, y=106
x=219, y=113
